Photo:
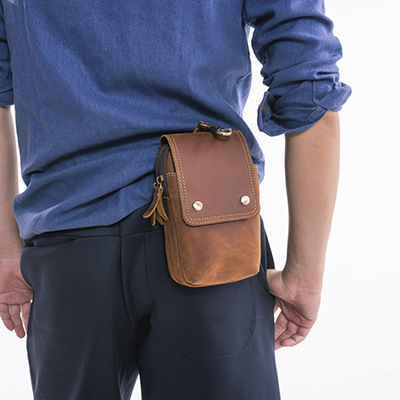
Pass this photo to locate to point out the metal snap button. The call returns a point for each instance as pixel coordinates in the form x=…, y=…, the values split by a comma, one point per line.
x=245, y=200
x=198, y=205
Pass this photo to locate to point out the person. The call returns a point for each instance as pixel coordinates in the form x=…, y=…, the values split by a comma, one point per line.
x=94, y=85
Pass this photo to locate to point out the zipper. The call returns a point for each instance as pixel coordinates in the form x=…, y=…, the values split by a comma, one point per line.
x=160, y=166
x=156, y=210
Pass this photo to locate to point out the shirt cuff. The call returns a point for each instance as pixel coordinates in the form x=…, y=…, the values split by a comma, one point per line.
x=301, y=107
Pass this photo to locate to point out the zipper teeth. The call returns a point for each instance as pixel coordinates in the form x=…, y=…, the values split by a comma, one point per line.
x=157, y=164
x=160, y=164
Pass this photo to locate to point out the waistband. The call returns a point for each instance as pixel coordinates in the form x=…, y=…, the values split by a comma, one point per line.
x=131, y=224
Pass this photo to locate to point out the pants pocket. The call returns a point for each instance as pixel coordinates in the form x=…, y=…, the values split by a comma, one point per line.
x=199, y=323
x=39, y=249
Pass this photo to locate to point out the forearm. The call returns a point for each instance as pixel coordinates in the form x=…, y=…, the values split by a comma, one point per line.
x=10, y=242
x=312, y=170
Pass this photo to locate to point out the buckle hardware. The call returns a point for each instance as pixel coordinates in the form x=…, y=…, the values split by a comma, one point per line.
x=216, y=130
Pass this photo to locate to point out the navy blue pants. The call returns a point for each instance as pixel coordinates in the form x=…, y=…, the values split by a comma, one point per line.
x=106, y=309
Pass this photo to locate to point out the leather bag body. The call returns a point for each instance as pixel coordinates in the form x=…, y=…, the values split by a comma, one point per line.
x=207, y=198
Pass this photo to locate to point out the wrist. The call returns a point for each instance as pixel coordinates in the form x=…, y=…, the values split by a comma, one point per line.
x=11, y=249
x=303, y=277
x=305, y=262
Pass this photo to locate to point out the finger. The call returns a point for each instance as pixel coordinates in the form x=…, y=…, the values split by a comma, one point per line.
x=296, y=338
x=286, y=334
x=15, y=312
x=292, y=340
x=6, y=317
x=25, y=311
x=280, y=325
x=290, y=330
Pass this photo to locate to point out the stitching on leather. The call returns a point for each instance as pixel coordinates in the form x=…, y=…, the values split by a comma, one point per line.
x=217, y=218
x=175, y=267
x=247, y=155
x=180, y=174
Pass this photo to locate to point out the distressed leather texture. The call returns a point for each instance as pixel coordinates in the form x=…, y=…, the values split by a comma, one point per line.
x=220, y=243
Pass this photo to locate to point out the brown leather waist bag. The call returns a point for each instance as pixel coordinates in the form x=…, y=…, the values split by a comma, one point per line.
x=207, y=198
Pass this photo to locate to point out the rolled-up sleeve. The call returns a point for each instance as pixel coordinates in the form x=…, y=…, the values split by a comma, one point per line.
x=293, y=40
x=6, y=84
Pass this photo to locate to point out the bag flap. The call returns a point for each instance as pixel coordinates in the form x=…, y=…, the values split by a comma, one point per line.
x=217, y=180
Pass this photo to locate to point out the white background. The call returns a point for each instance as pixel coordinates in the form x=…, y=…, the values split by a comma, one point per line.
x=353, y=350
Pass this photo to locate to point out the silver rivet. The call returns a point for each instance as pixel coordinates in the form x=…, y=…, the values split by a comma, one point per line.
x=198, y=205
x=245, y=200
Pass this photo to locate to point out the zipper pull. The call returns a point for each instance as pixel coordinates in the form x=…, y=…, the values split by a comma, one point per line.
x=161, y=214
x=156, y=209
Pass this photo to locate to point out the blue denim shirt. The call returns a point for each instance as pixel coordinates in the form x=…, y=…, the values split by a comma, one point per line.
x=95, y=83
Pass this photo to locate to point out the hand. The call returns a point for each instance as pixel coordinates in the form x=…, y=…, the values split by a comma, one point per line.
x=298, y=309
x=15, y=296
